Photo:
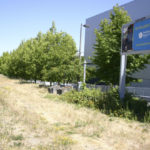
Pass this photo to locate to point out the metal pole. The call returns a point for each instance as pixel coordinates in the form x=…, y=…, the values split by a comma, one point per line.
x=80, y=44
x=122, y=76
x=84, y=75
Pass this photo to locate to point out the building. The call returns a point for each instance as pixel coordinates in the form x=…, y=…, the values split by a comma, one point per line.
x=136, y=9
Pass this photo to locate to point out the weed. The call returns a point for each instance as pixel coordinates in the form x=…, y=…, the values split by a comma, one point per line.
x=17, y=144
x=63, y=141
x=145, y=130
x=17, y=137
x=70, y=132
x=51, y=96
x=110, y=103
x=80, y=123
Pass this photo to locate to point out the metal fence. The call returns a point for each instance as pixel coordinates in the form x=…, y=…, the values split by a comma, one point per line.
x=140, y=92
x=137, y=91
x=103, y=88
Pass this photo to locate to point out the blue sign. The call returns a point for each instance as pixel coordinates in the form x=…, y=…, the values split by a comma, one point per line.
x=141, y=35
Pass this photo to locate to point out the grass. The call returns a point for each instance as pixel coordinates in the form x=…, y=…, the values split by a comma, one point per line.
x=17, y=137
x=32, y=119
x=109, y=103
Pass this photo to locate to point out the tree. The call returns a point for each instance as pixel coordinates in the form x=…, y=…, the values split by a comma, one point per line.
x=36, y=46
x=107, y=49
x=53, y=28
x=61, y=65
x=50, y=57
x=19, y=61
x=4, y=62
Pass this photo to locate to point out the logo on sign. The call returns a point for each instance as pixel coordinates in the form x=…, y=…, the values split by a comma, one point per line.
x=140, y=35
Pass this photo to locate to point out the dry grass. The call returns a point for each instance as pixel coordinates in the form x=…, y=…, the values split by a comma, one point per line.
x=29, y=121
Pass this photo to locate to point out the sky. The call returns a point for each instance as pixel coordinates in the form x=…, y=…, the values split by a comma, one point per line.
x=23, y=19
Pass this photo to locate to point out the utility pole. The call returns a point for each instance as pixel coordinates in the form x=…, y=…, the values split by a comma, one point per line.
x=84, y=75
x=80, y=46
x=80, y=43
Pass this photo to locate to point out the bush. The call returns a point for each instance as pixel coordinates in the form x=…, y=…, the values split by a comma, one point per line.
x=86, y=97
x=110, y=103
x=139, y=107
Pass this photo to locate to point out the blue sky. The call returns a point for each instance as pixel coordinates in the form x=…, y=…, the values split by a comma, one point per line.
x=23, y=19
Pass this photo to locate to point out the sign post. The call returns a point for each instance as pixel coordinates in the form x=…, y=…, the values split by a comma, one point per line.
x=122, y=75
x=135, y=40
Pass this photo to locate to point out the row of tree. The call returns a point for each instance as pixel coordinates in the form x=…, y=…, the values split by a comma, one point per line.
x=52, y=56
x=48, y=57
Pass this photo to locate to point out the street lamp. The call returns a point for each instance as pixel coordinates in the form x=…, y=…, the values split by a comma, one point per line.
x=84, y=72
x=80, y=43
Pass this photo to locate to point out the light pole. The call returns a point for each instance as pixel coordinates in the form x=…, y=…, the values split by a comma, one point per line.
x=84, y=74
x=80, y=43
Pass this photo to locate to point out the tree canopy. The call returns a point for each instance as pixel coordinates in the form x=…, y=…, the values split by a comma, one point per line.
x=108, y=46
x=49, y=57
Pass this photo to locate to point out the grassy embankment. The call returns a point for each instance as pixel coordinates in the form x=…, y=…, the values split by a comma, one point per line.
x=30, y=121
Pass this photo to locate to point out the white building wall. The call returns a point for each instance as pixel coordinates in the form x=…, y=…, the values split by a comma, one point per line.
x=136, y=9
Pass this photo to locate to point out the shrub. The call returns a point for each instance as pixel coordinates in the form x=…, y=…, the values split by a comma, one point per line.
x=86, y=97
x=139, y=107
x=110, y=103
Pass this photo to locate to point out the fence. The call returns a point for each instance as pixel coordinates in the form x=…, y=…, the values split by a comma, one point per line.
x=137, y=91
x=103, y=88
x=140, y=92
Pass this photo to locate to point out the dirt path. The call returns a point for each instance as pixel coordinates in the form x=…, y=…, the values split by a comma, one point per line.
x=29, y=120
